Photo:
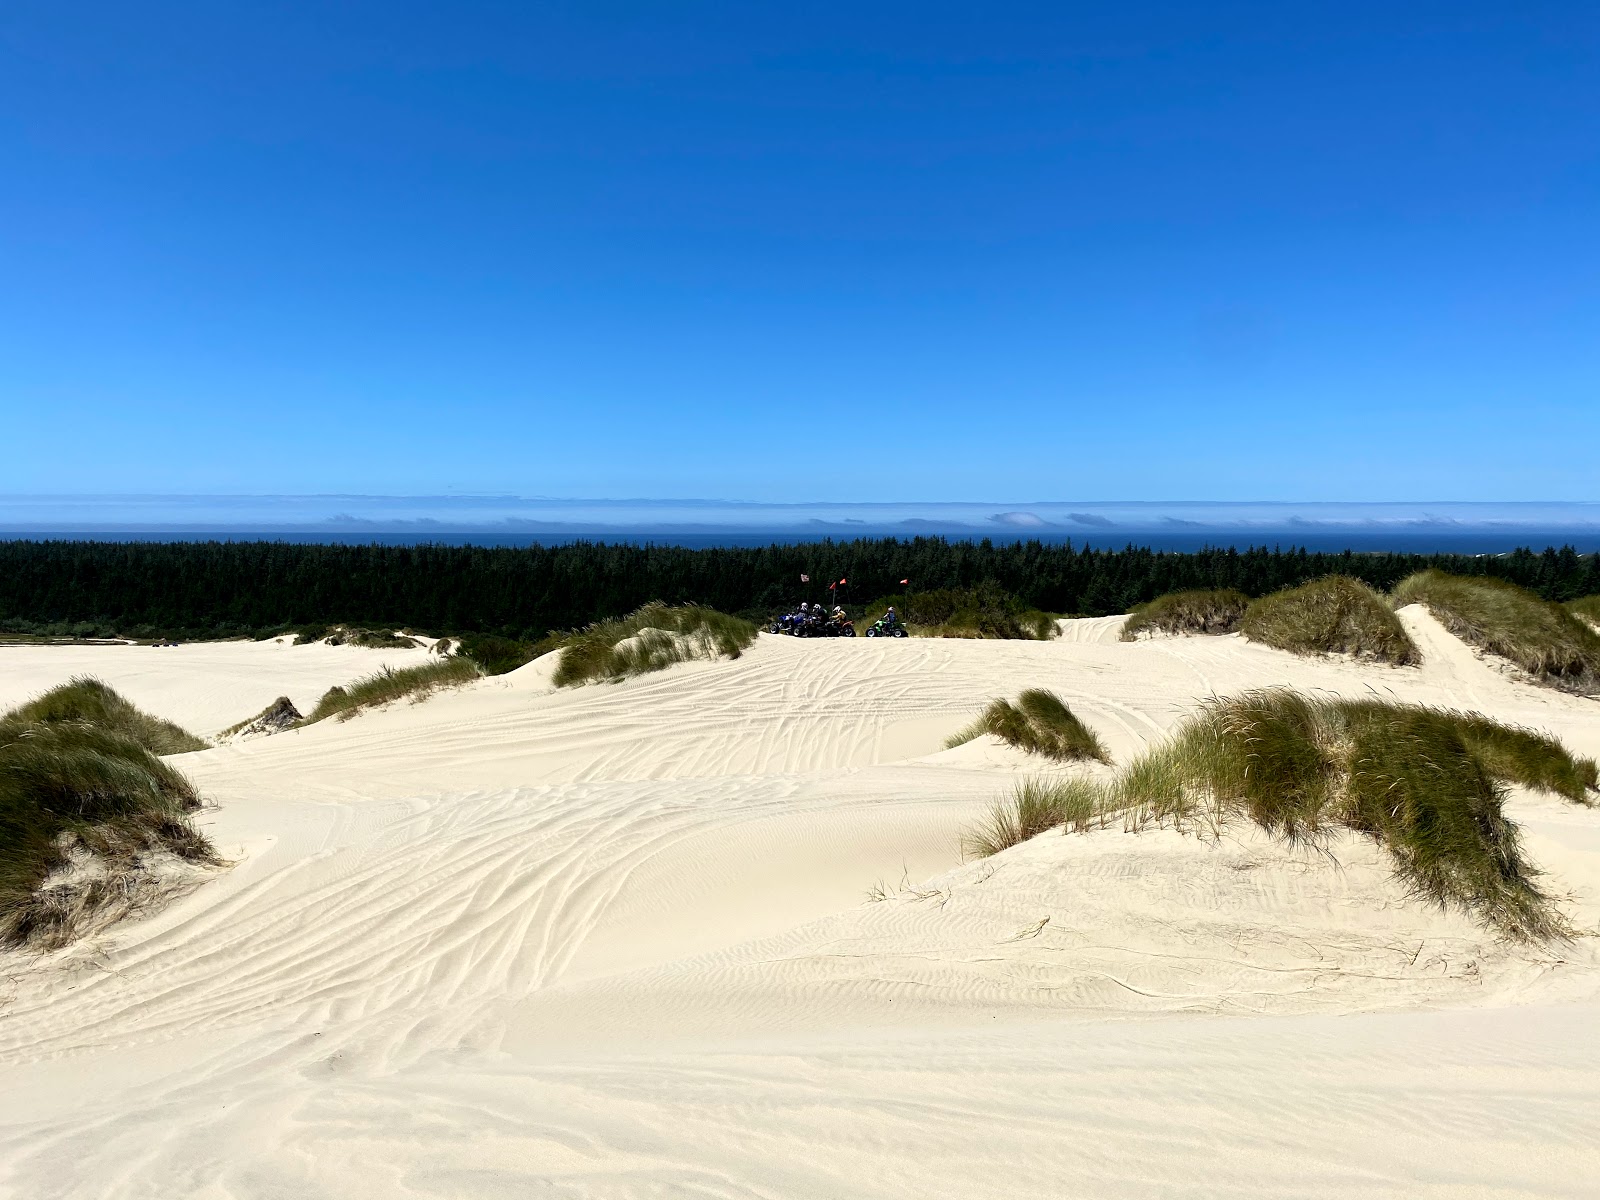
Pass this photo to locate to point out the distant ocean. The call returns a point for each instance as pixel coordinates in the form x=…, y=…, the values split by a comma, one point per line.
x=1365, y=541
x=1418, y=527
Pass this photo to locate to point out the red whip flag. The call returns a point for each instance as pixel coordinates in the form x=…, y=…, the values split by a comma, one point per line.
x=905, y=581
x=842, y=582
x=805, y=578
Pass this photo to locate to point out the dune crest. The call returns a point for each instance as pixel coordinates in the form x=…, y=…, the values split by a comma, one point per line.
x=708, y=931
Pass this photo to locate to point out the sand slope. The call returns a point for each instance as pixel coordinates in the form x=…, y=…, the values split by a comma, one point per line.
x=615, y=941
x=203, y=686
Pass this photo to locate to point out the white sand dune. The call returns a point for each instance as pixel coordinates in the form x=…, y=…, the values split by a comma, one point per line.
x=203, y=686
x=615, y=941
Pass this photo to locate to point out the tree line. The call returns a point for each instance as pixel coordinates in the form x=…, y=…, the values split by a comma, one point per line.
x=228, y=589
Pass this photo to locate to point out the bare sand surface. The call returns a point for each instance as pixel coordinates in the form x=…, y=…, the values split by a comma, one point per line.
x=617, y=941
x=203, y=686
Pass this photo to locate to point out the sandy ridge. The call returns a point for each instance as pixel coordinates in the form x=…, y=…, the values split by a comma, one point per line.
x=612, y=941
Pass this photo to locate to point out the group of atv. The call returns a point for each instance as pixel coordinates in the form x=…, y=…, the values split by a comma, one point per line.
x=814, y=621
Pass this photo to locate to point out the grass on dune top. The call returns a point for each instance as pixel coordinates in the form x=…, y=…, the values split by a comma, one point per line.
x=1546, y=640
x=85, y=800
x=1039, y=722
x=650, y=639
x=1333, y=615
x=1199, y=611
x=981, y=612
x=389, y=685
x=344, y=635
x=1587, y=608
x=88, y=700
x=1428, y=785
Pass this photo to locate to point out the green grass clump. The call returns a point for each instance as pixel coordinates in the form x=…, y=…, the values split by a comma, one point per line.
x=83, y=806
x=984, y=611
x=650, y=639
x=1333, y=615
x=1544, y=639
x=86, y=700
x=1039, y=723
x=495, y=655
x=1033, y=807
x=1586, y=608
x=389, y=685
x=1427, y=784
x=344, y=635
x=281, y=714
x=1201, y=611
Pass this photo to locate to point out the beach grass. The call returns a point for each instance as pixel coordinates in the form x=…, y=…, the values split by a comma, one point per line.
x=1427, y=784
x=391, y=684
x=280, y=714
x=86, y=804
x=1586, y=608
x=650, y=639
x=345, y=635
x=1038, y=722
x=984, y=611
x=1333, y=615
x=1213, y=611
x=1033, y=807
x=1545, y=639
x=86, y=700
x=495, y=655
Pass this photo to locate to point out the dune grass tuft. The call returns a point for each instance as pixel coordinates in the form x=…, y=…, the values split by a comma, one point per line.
x=86, y=806
x=281, y=714
x=1426, y=784
x=86, y=700
x=650, y=639
x=495, y=655
x=1039, y=722
x=1546, y=640
x=1199, y=611
x=388, y=685
x=1033, y=807
x=1586, y=608
x=981, y=612
x=1333, y=615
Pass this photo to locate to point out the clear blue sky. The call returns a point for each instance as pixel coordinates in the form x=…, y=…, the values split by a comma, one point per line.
x=782, y=252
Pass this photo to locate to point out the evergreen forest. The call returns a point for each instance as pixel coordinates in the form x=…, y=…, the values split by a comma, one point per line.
x=231, y=589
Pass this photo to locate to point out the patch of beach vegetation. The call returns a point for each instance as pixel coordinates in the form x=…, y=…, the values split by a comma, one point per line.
x=88, y=701
x=391, y=684
x=1039, y=722
x=1547, y=640
x=1033, y=807
x=495, y=655
x=281, y=714
x=1426, y=784
x=984, y=611
x=650, y=639
x=345, y=635
x=1333, y=615
x=93, y=824
x=1586, y=608
x=1205, y=611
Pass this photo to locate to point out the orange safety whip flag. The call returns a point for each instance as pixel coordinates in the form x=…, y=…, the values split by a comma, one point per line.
x=842, y=582
x=905, y=581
